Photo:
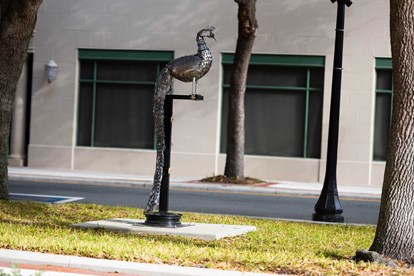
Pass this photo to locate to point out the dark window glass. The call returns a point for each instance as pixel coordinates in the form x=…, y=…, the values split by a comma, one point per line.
x=283, y=134
x=127, y=71
x=115, y=103
x=384, y=80
x=85, y=114
x=315, y=124
x=86, y=69
x=281, y=76
x=227, y=73
x=382, y=125
x=124, y=116
x=383, y=109
x=316, y=78
x=224, y=120
x=279, y=120
x=274, y=123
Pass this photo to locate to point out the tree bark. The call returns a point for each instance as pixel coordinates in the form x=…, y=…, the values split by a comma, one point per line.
x=235, y=141
x=17, y=21
x=395, y=230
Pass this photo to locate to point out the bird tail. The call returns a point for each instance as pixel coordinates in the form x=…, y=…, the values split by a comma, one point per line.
x=163, y=86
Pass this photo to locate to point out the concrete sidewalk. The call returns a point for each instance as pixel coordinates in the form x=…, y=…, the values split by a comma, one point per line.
x=271, y=187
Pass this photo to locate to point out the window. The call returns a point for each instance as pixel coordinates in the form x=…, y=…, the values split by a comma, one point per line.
x=283, y=105
x=383, y=107
x=115, y=97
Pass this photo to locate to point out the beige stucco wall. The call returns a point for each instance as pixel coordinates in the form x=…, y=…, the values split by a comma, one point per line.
x=294, y=27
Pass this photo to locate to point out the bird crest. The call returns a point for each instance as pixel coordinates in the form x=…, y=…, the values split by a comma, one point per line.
x=206, y=32
x=210, y=27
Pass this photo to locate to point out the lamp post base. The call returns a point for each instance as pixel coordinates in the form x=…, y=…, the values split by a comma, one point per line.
x=328, y=217
x=163, y=219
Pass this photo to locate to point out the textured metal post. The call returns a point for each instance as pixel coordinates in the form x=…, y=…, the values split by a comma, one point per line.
x=168, y=118
x=163, y=218
x=165, y=183
x=328, y=208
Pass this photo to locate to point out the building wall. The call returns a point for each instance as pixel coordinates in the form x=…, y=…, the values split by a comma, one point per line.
x=292, y=27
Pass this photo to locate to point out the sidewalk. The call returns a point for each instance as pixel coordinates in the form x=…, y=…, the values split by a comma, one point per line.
x=271, y=187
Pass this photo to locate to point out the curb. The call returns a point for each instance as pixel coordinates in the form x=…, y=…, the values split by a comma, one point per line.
x=111, y=266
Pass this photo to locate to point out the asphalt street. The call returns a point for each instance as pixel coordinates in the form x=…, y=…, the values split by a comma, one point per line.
x=280, y=206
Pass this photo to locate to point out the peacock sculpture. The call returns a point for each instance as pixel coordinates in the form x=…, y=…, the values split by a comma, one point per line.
x=187, y=69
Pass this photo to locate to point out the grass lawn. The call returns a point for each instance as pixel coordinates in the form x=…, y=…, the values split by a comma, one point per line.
x=276, y=246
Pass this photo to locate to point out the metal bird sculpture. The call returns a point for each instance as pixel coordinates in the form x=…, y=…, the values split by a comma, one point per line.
x=187, y=69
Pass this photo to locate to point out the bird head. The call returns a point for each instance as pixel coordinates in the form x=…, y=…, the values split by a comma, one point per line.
x=206, y=32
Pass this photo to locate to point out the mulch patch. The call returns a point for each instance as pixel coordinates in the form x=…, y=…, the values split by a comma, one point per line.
x=222, y=179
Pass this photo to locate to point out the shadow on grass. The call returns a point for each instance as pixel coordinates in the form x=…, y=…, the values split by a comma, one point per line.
x=332, y=255
x=22, y=208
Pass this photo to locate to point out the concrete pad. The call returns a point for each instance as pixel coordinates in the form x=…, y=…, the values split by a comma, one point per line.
x=201, y=231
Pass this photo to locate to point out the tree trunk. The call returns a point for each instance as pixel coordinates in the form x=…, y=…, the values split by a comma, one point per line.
x=17, y=21
x=395, y=230
x=235, y=140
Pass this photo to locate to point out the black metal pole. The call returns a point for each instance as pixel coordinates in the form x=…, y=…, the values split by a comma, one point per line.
x=163, y=218
x=168, y=116
x=328, y=208
x=165, y=182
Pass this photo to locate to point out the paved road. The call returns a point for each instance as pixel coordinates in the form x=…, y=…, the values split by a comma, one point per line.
x=217, y=202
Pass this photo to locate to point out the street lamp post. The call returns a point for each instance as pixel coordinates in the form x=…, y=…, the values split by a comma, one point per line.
x=328, y=208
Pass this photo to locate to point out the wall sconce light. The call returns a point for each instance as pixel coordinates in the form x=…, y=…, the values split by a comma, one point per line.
x=51, y=70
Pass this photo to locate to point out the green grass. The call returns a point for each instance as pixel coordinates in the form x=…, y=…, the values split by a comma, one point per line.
x=276, y=246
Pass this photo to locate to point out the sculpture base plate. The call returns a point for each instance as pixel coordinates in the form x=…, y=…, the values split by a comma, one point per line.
x=328, y=217
x=202, y=231
x=163, y=219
